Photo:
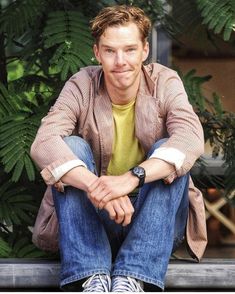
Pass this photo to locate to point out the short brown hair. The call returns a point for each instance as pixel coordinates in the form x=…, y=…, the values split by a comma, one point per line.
x=120, y=15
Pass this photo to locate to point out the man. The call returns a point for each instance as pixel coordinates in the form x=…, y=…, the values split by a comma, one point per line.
x=123, y=206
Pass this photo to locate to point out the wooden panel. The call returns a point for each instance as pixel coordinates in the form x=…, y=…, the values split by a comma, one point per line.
x=210, y=273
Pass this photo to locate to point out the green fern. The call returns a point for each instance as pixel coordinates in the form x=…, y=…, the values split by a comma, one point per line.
x=17, y=133
x=7, y=106
x=68, y=33
x=217, y=105
x=33, y=83
x=218, y=16
x=20, y=244
x=16, y=206
x=4, y=248
x=23, y=248
x=193, y=85
x=20, y=15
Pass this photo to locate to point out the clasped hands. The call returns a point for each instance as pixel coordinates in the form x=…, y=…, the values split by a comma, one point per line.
x=111, y=193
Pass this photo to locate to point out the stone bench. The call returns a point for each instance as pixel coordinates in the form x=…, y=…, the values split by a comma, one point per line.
x=181, y=274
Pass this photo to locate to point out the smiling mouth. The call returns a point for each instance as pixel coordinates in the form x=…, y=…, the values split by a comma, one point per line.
x=120, y=72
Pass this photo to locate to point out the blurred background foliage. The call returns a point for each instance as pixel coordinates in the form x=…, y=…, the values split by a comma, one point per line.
x=42, y=43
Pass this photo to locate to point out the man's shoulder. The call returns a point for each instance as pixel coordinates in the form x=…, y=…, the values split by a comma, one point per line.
x=86, y=74
x=157, y=70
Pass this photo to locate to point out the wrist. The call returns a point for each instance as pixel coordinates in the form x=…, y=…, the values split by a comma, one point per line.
x=139, y=173
x=132, y=180
x=79, y=177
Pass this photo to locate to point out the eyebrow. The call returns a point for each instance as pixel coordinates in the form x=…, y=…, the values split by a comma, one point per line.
x=127, y=46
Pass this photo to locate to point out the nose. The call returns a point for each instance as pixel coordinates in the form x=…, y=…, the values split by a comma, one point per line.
x=120, y=58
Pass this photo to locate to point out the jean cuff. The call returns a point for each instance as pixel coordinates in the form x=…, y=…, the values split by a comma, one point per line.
x=83, y=275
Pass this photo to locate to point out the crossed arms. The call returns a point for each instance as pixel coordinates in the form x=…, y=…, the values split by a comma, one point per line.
x=110, y=192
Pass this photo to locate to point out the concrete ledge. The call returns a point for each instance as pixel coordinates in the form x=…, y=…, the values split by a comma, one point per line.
x=181, y=274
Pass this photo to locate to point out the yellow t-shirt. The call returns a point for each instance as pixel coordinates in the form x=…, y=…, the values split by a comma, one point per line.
x=127, y=151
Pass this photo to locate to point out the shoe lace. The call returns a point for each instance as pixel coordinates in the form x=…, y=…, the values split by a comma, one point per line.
x=97, y=283
x=126, y=284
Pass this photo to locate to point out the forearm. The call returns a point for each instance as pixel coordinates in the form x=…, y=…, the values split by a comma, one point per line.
x=107, y=188
x=79, y=177
x=156, y=169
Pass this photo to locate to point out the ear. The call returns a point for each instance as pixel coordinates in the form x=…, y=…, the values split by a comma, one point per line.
x=96, y=52
x=145, y=51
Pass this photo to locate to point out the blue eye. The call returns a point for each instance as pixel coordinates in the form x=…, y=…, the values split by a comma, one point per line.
x=131, y=49
x=109, y=50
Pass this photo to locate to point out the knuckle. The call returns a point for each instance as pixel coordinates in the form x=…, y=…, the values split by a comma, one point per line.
x=121, y=214
x=118, y=221
x=89, y=189
x=112, y=215
x=92, y=196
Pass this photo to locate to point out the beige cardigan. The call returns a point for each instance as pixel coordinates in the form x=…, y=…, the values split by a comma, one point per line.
x=83, y=108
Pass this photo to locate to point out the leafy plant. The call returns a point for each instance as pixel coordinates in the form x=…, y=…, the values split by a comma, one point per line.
x=68, y=32
x=16, y=205
x=4, y=248
x=218, y=125
x=218, y=15
x=44, y=42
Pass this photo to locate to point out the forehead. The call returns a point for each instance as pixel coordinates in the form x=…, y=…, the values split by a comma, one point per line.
x=121, y=34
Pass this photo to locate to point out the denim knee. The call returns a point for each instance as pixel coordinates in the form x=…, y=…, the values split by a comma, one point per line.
x=81, y=149
x=156, y=145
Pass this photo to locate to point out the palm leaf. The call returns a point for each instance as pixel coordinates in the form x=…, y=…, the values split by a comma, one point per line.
x=218, y=16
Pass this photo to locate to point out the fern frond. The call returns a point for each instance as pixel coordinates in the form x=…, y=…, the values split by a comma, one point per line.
x=68, y=32
x=19, y=16
x=16, y=206
x=23, y=248
x=18, y=170
x=4, y=248
x=32, y=82
x=30, y=169
x=193, y=85
x=7, y=106
x=218, y=16
x=217, y=105
x=16, y=137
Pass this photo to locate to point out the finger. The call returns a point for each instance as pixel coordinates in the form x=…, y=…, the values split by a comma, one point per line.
x=128, y=209
x=95, y=203
x=105, y=200
x=109, y=208
x=98, y=194
x=120, y=214
x=94, y=185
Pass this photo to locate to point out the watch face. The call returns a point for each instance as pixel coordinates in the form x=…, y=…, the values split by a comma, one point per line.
x=139, y=171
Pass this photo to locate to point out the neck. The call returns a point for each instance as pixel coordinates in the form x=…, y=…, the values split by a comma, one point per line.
x=123, y=96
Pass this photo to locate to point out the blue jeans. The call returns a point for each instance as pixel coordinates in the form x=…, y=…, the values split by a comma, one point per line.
x=92, y=243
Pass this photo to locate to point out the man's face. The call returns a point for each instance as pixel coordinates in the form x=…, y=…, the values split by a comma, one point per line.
x=121, y=53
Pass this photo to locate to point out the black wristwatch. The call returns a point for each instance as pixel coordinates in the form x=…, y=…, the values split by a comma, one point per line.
x=139, y=172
